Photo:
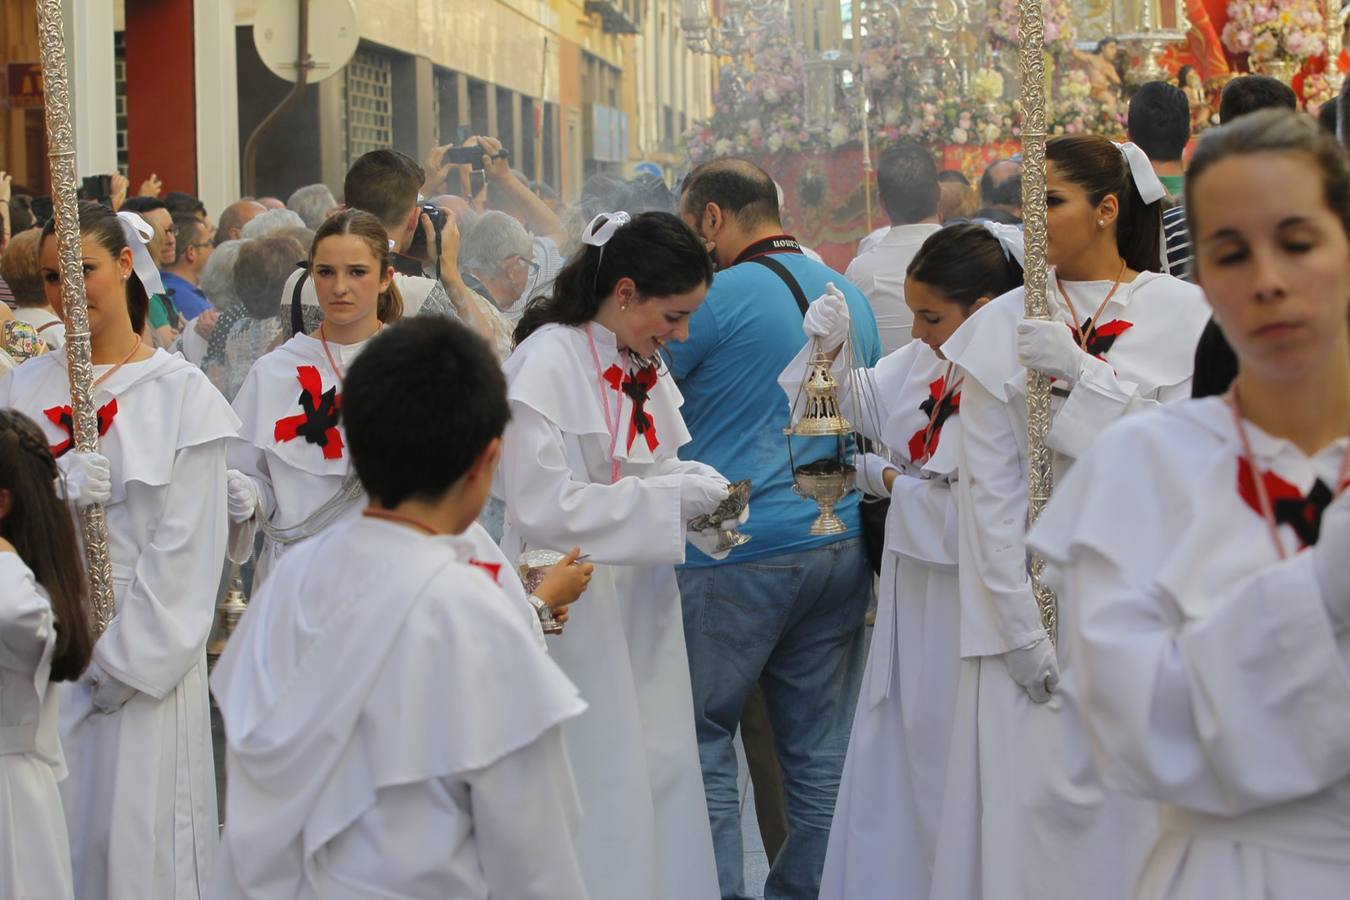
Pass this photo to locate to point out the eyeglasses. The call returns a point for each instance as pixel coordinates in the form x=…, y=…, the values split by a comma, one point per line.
x=530, y=264
x=202, y=244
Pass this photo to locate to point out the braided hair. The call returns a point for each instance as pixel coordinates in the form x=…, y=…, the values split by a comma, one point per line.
x=39, y=525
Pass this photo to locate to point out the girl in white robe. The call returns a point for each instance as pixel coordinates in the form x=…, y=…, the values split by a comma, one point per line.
x=1203, y=556
x=884, y=833
x=1024, y=814
x=589, y=458
x=45, y=637
x=140, y=800
x=290, y=470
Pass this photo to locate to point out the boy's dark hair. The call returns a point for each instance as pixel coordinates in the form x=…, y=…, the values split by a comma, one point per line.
x=142, y=204
x=742, y=189
x=420, y=404
x=1248, y=93
x=1159, y=121
x=384, y=183
x=907, y=181
x=1326, y=116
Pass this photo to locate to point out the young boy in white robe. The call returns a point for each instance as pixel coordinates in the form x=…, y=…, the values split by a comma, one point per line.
x=392, y=727
x=45, y=637
x=1025, y=813
x=884, y=833
x=1200, y=550
x=140, y=799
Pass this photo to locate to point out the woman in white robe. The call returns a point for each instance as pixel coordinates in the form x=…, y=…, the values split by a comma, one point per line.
x=1024, y=813
x=1204, y=557
x=140, y=801
x=45, y=637
x=884, y=833
x=589, y=459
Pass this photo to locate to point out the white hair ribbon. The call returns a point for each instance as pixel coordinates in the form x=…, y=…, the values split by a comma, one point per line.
x=138, y=233
x=603, y=226
x=1010, y=238
x=1146, y=180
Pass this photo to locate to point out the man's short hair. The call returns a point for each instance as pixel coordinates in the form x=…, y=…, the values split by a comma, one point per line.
x=1006, y=191
x=271, y=222
x=1248, y=93
x=420, y=404
x=312, y=203
x=384, y=183
x=494, y=237
x=142, y=204
x=187, y=230
x=261, y=271
x=953, y=176
x=907, y=182
x=184, y=204
x=1159, y=121
x=742, y=189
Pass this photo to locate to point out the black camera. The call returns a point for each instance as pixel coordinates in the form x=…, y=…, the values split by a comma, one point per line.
x=418, y=247
x=471, y=156
x=97, y=188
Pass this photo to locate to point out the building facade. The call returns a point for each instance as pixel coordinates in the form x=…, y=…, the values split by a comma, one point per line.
x=176, y=87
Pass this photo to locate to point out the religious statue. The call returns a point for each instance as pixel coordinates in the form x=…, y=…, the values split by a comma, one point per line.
x=1188, y=79
x=1103, y=69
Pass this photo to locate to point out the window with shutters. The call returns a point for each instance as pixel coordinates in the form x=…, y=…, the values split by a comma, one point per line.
x=369, y=122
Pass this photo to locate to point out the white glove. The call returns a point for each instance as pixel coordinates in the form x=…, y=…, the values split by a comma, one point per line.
x=700, y=494
x=709, y=539
x=827, y=319
x=1329, y=561
x=86, y=478
x=871, y=468
x=1048, y=346
x=1034, y=667
x=240, y=496
x=107, y=693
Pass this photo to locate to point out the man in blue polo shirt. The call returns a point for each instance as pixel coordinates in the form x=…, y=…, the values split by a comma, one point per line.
x=786, y=609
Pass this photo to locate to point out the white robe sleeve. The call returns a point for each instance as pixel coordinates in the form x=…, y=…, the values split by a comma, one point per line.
x=530, y=856
x=1240, y=709
x=165, y=613
x=999, y=612
x=1098, y=399
x=25, y=616
x=635, y=521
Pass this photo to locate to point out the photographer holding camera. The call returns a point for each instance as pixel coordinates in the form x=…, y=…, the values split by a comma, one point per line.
x=385, y=183
x=452, y=172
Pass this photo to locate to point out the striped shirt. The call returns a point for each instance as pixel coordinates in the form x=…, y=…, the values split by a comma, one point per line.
x=1177, y=238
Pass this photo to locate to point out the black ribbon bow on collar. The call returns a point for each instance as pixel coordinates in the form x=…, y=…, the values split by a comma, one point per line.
x=1303, y=514
x=637, y=386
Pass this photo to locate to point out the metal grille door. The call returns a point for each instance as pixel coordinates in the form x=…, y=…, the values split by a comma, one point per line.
x=369, y=118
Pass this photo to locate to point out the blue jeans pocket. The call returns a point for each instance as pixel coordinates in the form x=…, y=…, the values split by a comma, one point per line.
x=747, y=604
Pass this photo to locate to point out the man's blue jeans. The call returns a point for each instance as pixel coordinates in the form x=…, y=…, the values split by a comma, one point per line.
x=795, y=623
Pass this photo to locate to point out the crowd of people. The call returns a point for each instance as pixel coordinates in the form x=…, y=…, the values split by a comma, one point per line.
x=476, y=453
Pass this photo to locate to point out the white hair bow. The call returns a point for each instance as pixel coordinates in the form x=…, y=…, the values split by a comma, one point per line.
x=1011, y=239
x=138, y=233
x=1146, y=180
x=603, y=226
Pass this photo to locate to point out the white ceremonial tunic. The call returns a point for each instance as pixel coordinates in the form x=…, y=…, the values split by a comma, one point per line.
x=1025, y=816
x=393, y=731
x=140, y=801
x=1209, y=675
x=645, y=833
x=884, y=833
x=295, y=473
x=34, y=845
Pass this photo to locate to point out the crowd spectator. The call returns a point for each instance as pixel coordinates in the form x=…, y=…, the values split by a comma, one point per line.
x=235, y=217
x=1159, y=123
x=20, y=270
x=313, y=203
x=270, y=223
x=954, y=198
x=271, y=203
x=908, y=184
x=192, y=251
x=217, y=278
x=1001, y=193
x=156, y=212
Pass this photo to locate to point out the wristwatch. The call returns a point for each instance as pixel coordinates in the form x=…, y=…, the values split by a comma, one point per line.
x=542, y=609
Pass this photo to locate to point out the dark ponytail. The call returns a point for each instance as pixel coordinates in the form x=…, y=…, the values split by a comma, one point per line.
x=101, y=223
x=659, y=252
x=40, y=527
x=1098, y=166
x=963, y=263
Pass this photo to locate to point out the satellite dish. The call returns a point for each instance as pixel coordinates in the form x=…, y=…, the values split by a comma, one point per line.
x=332, y=36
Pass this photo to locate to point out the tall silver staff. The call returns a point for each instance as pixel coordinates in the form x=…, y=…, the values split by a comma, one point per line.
x=61, y=152
x=1031, y=48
